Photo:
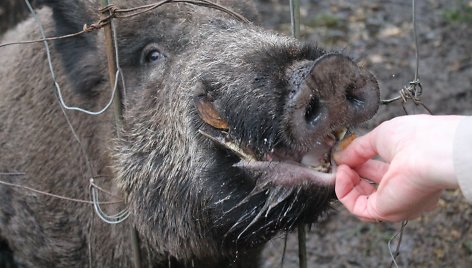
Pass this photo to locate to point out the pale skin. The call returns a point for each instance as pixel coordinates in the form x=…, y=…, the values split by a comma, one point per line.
x=413, y=164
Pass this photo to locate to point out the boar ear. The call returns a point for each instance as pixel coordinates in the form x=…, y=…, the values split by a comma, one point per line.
x=80, y=58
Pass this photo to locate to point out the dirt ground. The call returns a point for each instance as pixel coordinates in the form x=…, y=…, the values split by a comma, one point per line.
x=379, y=34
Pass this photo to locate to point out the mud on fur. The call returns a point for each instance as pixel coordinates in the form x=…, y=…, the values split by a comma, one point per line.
x=194, y=201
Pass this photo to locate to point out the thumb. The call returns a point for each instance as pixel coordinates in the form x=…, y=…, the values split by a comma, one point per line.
x=359, y=151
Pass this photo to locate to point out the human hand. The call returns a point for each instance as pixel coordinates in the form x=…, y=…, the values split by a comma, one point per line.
x=416, y=165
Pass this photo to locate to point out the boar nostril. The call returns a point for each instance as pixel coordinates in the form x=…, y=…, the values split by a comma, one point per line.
x=352, y=96
x=313, y=111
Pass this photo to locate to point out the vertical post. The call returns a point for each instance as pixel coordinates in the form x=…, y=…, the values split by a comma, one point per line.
x=302, y=246
x=418, y=91
x=135, y=247
x=112, y=70
x=110, y=50
x=295, y=17
x=295, y=21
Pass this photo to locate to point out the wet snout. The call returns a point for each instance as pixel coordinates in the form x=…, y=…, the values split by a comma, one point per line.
x=335, y=92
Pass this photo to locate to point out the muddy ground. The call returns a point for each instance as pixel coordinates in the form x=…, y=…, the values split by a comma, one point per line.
x=379, y=34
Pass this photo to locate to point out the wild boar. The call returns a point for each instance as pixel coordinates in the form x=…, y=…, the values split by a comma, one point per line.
x=226, y=138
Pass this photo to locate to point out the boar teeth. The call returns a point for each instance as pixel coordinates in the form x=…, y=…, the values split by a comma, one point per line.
x=313, y=161
x=340, y=133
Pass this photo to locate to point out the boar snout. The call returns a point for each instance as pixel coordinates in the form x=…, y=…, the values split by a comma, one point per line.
x=335, y=93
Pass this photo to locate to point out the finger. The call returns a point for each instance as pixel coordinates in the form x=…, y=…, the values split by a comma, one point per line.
x=358, y=152
x=365, y=187
x=353, y=192
x=373, y=170
x=348, y=180
x=365, y=219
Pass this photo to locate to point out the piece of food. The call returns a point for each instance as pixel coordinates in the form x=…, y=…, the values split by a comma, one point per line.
x=346, y=140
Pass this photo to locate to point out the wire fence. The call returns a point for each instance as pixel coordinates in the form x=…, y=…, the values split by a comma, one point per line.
x=410, y=92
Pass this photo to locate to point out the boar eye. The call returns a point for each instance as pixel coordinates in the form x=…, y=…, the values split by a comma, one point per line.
x=152, y=55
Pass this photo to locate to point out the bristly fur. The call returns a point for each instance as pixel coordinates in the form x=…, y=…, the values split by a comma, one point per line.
x=189, y=202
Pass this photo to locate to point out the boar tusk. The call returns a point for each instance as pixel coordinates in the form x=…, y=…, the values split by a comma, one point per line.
x=228, y=145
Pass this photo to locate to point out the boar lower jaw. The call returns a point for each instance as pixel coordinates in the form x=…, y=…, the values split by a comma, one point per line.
x=289, y=173
x=289, y=168
x=292, y=168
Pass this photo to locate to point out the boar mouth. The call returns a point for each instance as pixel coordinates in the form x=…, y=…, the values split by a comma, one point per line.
x=287, y=167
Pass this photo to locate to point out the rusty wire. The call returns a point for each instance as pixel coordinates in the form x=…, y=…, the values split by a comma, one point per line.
x=117, y=218
x=414, y=89
x=395, y=253
x=131, y=12
x=121, y=13
x=76, y=200
x=123, y=214
x=413, y=92
x=93, y=187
